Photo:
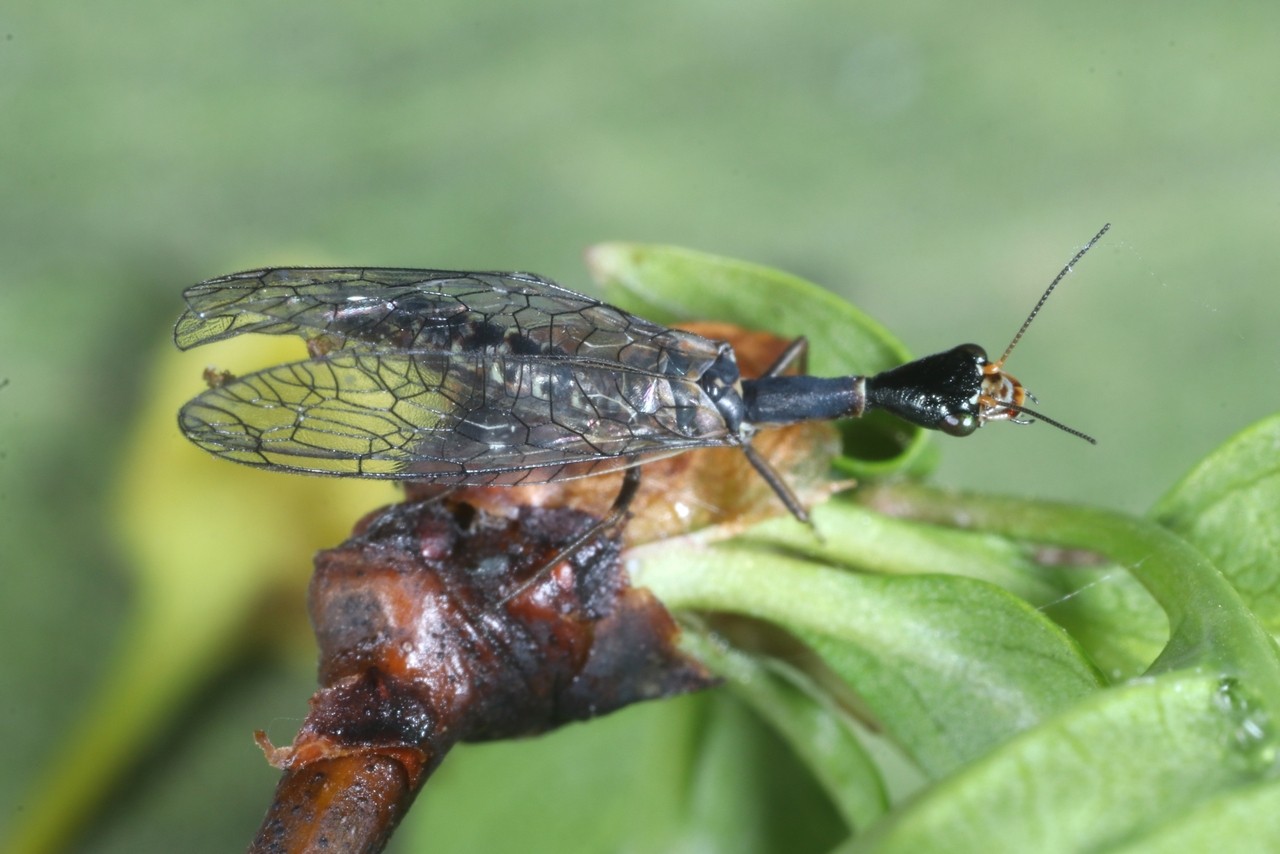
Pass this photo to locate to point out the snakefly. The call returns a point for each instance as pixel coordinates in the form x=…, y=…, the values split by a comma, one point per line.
x=483, y=379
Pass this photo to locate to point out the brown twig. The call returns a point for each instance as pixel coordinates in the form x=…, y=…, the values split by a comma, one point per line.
x=420, y=650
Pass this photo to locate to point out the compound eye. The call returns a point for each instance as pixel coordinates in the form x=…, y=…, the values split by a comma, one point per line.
x=959, y=425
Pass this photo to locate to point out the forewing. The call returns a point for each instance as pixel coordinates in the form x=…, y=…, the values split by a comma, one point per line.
x=462, y=418
x=398, y=311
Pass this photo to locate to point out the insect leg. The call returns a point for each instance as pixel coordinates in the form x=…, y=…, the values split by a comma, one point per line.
x=776, y=483
x=617, y=516
x=627, y=493
x=798, y=348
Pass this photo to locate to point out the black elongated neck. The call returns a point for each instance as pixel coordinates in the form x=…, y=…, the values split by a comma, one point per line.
x=790, y=399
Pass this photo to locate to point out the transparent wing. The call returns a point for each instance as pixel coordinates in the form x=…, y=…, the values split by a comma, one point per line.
x=473, y=418
x=397, y=311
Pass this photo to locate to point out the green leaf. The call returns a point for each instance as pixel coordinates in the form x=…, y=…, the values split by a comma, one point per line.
x=950, y=667
x=1120, y=763
x=669, y=284
x=655, y=777
x=1242, y=820
x=1116, y=621
x=1104, y=608
x=540, y=792
x=1210, y=628
x=822, y=736
x=1228, y=507
x=739, y=760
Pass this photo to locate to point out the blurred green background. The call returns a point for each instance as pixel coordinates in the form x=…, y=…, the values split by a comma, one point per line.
x=934, y=163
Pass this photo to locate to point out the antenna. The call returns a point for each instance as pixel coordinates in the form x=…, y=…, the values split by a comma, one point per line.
x=1032, y=316
x=1063, y=427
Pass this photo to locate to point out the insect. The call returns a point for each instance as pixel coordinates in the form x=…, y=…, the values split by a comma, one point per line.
x=474, y=378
